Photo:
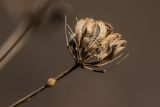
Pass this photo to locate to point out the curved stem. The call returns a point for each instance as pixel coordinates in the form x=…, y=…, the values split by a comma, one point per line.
x=43, y=87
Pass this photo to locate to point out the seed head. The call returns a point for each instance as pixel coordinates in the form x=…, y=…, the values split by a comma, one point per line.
x=94, y=42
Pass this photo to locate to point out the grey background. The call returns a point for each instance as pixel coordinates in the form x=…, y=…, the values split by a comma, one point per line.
x=134, y=83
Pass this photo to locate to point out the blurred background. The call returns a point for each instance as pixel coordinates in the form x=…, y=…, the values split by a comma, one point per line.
x=134, y=83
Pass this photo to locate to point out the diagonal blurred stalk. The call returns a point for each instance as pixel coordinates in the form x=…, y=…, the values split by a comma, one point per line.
x=22, y=29
x=43, y=87
x=11, y=43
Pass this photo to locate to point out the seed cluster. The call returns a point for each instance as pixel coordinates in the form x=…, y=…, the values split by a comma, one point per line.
x=94, y=44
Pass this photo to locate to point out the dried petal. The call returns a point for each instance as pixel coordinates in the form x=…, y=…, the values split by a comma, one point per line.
x=110, y=38
x=79, y=29
x=120, y=45
x=96, y=41
x=99, y=32
x=112, y=44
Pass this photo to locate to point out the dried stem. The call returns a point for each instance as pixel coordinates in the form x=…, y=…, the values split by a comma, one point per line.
x=29, y=96
x=43, y=87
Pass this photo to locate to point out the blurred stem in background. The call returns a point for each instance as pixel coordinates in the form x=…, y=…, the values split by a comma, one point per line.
x=14, y=43
x=30, y=15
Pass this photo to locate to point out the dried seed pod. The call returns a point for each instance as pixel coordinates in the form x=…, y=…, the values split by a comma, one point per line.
x=94, y=42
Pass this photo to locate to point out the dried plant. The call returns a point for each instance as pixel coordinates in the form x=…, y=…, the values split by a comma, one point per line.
x=92, y=45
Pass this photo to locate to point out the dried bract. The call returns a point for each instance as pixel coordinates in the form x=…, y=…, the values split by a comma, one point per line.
x=94, y=44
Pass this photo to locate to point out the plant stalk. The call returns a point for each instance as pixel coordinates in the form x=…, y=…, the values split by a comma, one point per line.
x=28, y=97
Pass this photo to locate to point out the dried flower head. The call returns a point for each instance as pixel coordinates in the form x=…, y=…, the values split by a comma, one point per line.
x=94, y=44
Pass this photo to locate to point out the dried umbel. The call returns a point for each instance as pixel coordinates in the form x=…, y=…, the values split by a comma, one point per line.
x=94, y=44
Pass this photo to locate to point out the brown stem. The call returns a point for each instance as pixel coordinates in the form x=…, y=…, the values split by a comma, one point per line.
x=43, y=87
x=69, y=70
x=29, y=96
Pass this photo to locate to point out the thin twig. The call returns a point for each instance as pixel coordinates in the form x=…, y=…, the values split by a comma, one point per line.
x=43, y=87
x=29, y=96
